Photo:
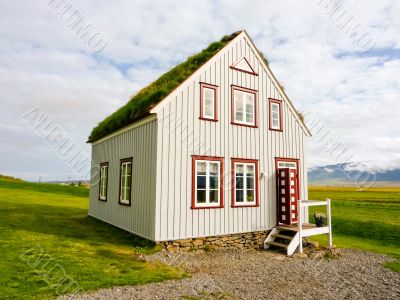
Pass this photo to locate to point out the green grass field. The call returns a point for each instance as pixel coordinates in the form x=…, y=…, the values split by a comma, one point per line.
x=48, y=245
x=46, y=237
x=368, y=220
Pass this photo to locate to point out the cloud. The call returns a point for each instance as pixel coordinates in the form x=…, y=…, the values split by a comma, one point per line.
x=43, y=63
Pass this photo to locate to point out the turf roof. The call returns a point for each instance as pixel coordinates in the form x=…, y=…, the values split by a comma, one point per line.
x=140, y=104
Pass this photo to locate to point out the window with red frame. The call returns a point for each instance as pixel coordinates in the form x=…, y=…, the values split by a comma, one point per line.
x=245, y=182
x=207, y=180
x=208, y=102
x=244, y=106
x=275, y=114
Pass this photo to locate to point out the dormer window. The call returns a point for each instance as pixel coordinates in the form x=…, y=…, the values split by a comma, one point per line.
x=208, y=102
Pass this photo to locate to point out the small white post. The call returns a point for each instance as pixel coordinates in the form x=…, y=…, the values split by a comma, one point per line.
x=300, y=225
x=328, y=214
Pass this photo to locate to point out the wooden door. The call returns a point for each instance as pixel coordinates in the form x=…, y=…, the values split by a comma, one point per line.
x=287, y=196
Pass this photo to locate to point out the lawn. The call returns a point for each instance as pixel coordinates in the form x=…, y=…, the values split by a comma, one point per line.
x=368, y=220
x=48, y=245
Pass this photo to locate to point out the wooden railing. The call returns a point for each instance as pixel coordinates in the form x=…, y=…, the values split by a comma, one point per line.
x=316, y=230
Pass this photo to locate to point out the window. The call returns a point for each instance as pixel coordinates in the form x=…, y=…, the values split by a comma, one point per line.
x=290, y=165
x=103, y=181
x=125, y=180
x=208, y=102
x=244, y=110
x=207, y=181
x=275, y=114
x=244, y=182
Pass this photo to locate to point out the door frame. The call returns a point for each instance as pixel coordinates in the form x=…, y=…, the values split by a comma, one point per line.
x=285, y=159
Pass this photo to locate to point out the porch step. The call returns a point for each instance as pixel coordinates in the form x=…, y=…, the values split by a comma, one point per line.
x=278, y=244
x=282, y=236
x=286, y=228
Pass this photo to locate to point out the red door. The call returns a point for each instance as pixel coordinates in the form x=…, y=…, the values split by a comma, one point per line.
x=287, y=196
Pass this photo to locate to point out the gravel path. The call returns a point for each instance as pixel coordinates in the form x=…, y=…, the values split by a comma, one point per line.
x=236, y=274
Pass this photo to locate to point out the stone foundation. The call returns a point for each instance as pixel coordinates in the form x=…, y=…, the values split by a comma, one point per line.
x=250, y=240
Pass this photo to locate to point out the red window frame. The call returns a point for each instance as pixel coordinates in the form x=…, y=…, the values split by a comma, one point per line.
x=212, y=87
x=279, y=102
x=221, y=180
x=247, y=90
x=256, y=177
x=104, y=164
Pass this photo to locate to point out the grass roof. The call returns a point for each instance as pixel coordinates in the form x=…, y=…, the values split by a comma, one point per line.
x=141, y=103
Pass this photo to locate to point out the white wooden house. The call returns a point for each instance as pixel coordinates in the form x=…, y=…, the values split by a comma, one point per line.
x=221, y=154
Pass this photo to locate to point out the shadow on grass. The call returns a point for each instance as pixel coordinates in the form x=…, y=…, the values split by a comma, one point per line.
x=68, y=223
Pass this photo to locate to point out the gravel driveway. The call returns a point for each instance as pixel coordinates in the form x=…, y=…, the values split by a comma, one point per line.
x=236, y=274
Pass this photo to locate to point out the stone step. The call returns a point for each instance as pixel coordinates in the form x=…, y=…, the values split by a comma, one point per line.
x=278, y=244
x=282, y=236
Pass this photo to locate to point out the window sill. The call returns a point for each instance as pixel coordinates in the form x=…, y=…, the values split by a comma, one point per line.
x=208, y=119
x=125, y=204
x=244, y=125
x=206, y=207
x=244, y=205
x=274, y=129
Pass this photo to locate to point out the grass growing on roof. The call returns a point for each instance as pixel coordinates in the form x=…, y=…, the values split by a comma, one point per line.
x=146, y=98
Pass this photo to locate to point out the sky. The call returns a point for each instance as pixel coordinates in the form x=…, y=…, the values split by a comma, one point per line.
x=339, y=62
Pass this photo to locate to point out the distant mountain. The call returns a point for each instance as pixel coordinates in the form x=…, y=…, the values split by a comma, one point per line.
x=383, y=173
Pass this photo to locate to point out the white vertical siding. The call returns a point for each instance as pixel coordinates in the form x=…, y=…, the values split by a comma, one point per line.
x=181, y=134
x=141, y=144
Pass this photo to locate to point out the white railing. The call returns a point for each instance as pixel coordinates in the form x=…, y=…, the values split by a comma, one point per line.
x=307, y=232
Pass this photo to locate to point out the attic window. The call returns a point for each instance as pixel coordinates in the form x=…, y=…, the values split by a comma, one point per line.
x=275, y=114
x=208, y=102
x=244, y=106
x=243, y=65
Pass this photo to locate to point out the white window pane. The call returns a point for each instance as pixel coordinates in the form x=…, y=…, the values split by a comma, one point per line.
x=249, y=105
x=238, y=95
x=209, y=94
x=238, y=116
x=275, y=123
x=239, y=169
x=214, y=168
x=201, y=168
x=207, y=183
x=250, y=168
x=208, y=108
x=249, y=118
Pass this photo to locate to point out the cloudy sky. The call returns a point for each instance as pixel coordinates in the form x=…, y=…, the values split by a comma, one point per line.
x=340, y=66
